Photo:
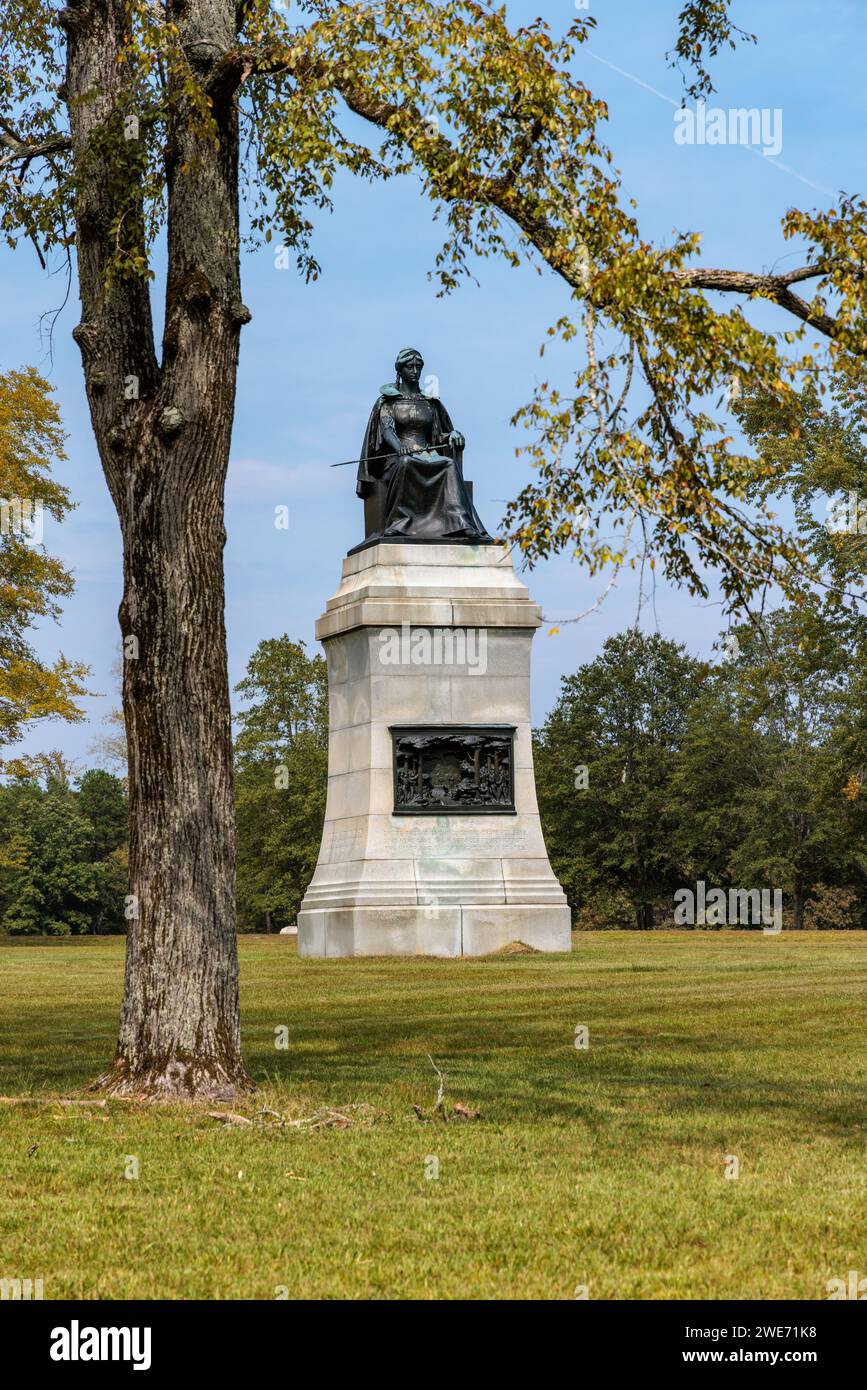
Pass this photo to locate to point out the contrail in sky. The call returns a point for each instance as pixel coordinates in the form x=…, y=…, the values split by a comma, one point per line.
x=769, y=159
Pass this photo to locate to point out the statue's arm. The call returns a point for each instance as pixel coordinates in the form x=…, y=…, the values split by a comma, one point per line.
x=388, y=430
x=448, y=433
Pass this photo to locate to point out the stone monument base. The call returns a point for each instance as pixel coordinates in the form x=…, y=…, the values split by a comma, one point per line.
x=431, y=931
x=427, y=644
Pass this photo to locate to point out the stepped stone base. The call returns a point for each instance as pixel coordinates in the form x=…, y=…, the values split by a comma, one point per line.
x=443, y=884
x=437, y=931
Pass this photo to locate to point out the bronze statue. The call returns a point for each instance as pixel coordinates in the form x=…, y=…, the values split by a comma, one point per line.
x=411, y=469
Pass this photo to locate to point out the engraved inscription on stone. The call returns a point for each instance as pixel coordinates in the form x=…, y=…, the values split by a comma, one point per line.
x=450, y=769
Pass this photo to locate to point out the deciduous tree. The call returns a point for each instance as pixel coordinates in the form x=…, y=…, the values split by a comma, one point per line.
x=32, y=581
x=605, y=760
x=281, y=766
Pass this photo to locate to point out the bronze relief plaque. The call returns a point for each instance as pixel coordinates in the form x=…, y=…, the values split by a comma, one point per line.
x=453, y=769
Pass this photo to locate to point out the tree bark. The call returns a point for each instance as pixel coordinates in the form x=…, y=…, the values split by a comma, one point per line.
x=799, y=902
x=179, y=1030
x=644, y=917
x=164, y=432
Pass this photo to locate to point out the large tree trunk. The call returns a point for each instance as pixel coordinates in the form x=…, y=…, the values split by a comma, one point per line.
x=164, y=445
x=179, y=1030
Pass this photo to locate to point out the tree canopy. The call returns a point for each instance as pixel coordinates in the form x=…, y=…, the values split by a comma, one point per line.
x=638, y=459
x=281, y=766
x=63, y=854
x=656, y=771
x=32, y=582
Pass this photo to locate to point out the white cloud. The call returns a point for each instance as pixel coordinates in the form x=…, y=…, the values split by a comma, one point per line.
x=255, y=479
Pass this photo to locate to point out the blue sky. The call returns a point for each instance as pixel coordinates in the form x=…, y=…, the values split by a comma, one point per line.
x=317, y=354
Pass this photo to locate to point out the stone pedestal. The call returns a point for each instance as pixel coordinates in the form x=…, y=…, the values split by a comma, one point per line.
x=432, y=635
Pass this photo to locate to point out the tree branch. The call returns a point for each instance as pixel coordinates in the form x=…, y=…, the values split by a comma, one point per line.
x=21, y=150
x=116, y=332
x=774, y=287
x=501, y=192
x=453, y=180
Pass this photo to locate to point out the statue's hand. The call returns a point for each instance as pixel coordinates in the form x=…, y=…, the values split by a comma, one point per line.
x=457, y=439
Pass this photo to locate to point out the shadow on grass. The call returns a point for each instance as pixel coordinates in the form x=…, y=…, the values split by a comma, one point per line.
x=500, y=1033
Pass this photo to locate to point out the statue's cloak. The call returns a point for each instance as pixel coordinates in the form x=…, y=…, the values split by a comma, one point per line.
x=375, y=447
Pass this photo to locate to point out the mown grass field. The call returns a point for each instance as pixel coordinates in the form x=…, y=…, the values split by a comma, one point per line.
x=602, y=1168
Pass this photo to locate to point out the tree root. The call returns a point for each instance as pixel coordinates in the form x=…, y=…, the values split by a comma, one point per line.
x=192, y=1082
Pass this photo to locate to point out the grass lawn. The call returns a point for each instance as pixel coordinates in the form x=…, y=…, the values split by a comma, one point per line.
x=602, y=1167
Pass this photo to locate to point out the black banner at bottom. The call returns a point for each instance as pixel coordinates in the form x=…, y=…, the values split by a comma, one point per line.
x=81, y=1339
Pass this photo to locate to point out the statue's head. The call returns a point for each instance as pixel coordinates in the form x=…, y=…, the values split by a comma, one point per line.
x=408, y=364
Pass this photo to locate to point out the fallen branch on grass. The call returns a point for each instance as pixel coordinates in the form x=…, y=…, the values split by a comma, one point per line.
x=324, y=1118
x=439, y=1110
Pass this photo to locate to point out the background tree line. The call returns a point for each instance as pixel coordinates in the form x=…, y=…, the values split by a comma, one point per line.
x=64, y=839
x=748, y=772
x=63, y=853
x=654, y=770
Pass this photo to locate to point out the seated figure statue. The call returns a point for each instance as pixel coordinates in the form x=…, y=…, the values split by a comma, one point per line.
x=411, y=469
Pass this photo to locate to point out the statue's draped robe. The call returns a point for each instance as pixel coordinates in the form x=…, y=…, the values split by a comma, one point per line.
x=425, y=494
